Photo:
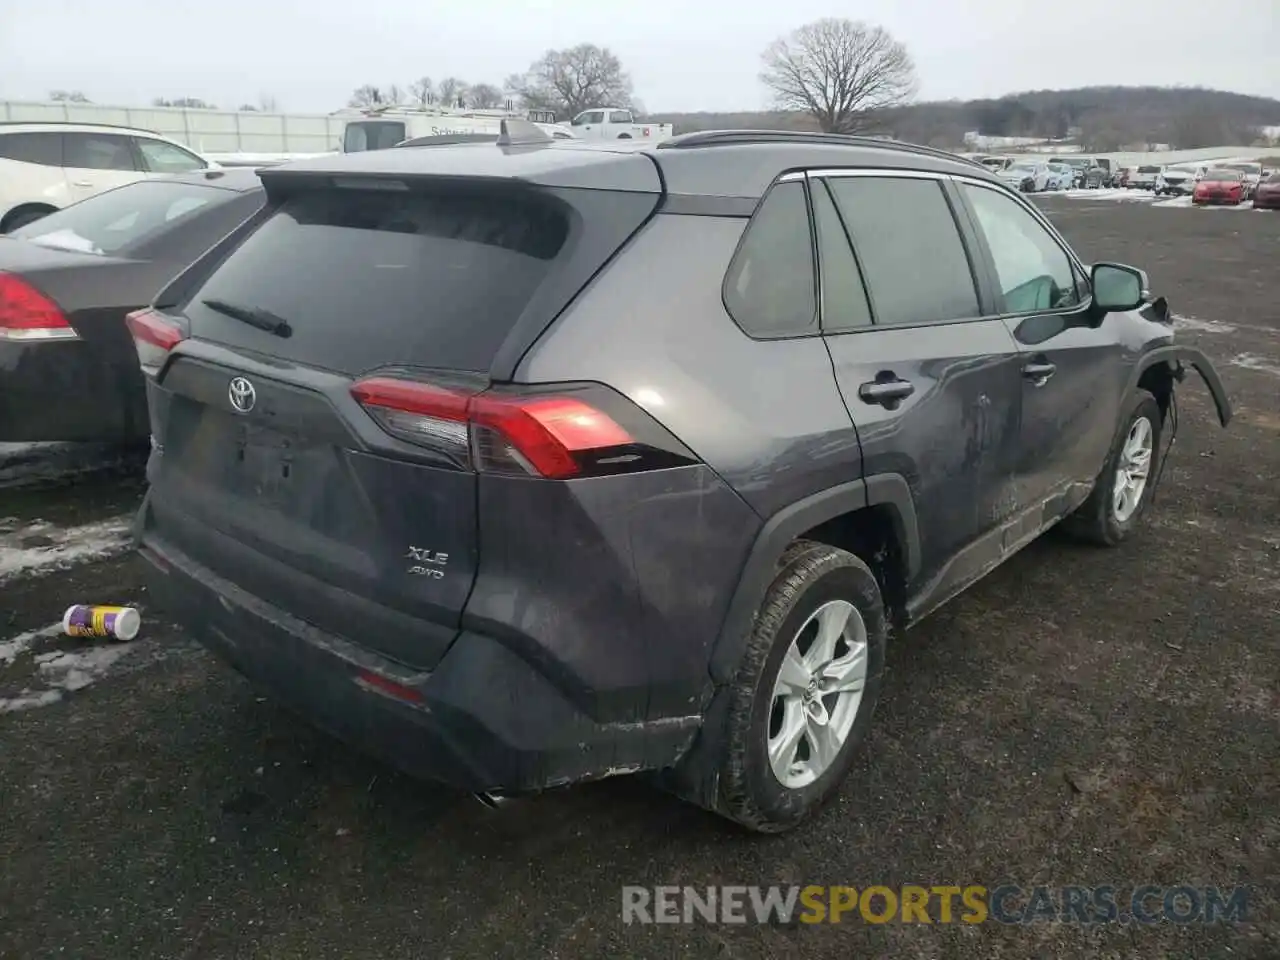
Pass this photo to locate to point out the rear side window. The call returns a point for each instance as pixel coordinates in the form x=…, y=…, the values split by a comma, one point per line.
x=910, y=248
x=98, y=151
x=369, y=278
x=109, y=222
x=42, y=148
x=372, y=135
x=620, y=116
x=770, y=287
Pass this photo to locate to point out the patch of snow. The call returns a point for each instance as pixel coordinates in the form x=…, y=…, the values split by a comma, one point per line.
x=66, y=671
x=13, y=648
x=76, y=669
x=1204, y=326
x=39, y=547
x=1251, y=361
x=27, y=700
x=1183, y=202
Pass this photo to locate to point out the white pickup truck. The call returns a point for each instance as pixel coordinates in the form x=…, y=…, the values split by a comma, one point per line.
x=617, y=123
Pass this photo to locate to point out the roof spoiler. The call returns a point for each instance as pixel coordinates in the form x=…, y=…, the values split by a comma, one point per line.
x=522, y=133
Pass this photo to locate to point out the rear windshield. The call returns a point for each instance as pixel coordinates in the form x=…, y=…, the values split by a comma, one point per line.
x=1149, y=169
x=372, y=135
x=369, y=278
x=111, y=222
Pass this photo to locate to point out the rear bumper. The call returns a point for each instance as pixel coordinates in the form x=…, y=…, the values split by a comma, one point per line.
x=63, y=390
x=486, y=719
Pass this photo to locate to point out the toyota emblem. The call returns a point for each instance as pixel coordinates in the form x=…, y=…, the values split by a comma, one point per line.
x=242, y=395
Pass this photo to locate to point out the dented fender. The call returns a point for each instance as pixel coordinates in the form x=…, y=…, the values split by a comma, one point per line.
x=1177, y=357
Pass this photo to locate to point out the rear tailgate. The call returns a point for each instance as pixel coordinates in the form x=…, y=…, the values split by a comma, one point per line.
x=271, y=474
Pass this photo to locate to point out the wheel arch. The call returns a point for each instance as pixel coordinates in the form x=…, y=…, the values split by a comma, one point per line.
x=10, y=215
x=1147, y=373
x=884, y=496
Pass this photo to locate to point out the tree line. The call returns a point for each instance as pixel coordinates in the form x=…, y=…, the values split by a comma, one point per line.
x=839, y=75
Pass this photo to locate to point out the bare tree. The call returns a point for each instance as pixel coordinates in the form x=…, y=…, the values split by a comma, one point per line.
x=187, y=103
x=267, y=103
x=453, y=92
x=484, y=96
x=570, y=81
x=67, y=96
x=423, y=91
x=367, y=96
x=247, y=108
x=839, y=72
x=395, y=93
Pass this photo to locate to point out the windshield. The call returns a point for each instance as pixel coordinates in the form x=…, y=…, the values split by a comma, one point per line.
x=1251, y=168
x=1150, y=169
x=109, y=222
x=1023, y=168
x=362, y=135
x=1224, y=175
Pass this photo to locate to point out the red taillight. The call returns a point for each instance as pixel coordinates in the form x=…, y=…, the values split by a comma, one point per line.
x=376, y=681
x=537, y=435
x=153, y=338
x=27, y=314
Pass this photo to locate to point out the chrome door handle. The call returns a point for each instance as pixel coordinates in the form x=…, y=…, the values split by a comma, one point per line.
x=887, y=393
x=1039, y=371
x=82, y=183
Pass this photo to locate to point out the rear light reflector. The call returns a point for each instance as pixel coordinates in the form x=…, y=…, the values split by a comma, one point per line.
x=384, y=685
x=27, y=314
x=555, y=436
x=153, y=338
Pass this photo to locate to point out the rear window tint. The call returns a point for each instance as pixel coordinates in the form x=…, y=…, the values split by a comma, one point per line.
x=373, y=278
x=42, y=148
x=120, y=218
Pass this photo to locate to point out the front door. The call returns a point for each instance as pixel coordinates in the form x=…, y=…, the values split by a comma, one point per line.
x=934, y=390
x=1072, y=369
x=97, y=162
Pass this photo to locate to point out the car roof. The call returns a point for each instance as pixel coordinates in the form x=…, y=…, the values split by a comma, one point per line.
x=736, y=163
x=71, y=126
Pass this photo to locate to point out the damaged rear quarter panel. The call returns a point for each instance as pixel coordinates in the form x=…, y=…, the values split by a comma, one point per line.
x=614, y=588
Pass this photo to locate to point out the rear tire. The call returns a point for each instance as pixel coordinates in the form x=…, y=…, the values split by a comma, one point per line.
x=1107, y=518
x=811, y=736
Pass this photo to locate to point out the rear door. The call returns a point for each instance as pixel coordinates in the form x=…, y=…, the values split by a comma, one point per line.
x=1072, y=370
x=99, y=161
x=931, y=384
x=272, y=476
x=31, y=170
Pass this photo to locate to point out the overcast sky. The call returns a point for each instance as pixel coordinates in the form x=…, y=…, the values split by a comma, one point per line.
x=682, y=54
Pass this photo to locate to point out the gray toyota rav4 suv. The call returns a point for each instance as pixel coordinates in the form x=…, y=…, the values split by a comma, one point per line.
x=524, y=463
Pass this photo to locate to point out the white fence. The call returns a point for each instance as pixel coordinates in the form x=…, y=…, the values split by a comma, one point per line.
x=205, y=131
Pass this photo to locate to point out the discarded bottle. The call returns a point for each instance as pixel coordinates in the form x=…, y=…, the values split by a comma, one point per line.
x=85, y=620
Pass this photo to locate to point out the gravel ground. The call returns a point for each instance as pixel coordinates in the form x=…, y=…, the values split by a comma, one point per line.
x=1080, y=717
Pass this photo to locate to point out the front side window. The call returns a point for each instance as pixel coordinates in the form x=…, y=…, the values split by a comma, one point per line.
x=161, y=157
x=44, y=149
x=1034, y=272
x=769, y=289
x=99, y=151
x=912, y=256
x=844, y=300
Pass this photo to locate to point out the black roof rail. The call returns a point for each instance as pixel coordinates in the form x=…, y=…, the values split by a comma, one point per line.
x=716, y=138
x=522, y=133
x=444, y=139
x=78, y=123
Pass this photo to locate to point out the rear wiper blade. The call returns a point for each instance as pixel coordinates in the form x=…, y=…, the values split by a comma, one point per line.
x=253, y=316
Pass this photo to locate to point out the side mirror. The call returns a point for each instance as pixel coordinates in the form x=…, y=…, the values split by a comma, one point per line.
x=1117, y=288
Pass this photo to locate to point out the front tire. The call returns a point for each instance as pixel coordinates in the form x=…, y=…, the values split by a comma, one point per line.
x=1119, y=498
x=804, y=694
